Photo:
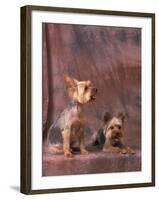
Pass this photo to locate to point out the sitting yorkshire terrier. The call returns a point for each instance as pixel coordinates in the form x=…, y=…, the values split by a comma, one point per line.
x=70, y=124
x=109, y=138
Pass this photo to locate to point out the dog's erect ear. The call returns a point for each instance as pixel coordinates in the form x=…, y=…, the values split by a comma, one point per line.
x=107, y=117
x=121, y=116
x=70, y=82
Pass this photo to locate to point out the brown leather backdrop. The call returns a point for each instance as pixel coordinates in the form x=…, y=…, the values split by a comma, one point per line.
x=108, y=56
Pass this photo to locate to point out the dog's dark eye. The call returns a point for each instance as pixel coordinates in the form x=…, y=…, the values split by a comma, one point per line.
x=86, y=88
x=111, y=127
x=119, y=127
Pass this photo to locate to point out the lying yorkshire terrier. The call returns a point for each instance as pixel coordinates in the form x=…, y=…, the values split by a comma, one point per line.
x=70, y=123
x=110, y=137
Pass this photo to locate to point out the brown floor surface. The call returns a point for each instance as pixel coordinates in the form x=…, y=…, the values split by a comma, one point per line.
x=95, y=162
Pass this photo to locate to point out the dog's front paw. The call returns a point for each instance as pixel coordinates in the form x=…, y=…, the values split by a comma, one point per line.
x=127, y=150
x=84, y=151
x=68, y=154
x=123, y=151
x=131, y=151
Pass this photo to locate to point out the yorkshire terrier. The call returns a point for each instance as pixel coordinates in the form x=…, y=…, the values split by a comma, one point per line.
x=70, y=124
x=110, y=137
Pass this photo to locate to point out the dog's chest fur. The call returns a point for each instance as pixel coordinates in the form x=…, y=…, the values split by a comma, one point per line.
x=69, y=115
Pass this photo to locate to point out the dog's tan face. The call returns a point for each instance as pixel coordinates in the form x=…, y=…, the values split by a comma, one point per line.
x=115, y=131
x=114, y=128
x=80, y=91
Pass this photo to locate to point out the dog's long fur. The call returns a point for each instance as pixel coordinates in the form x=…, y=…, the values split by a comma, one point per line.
x=68, y=128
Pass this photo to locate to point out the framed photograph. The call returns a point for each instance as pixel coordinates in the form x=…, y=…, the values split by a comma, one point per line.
x=87, y=99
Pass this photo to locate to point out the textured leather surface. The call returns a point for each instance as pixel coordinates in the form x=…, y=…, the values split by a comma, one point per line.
x=95, y=162
x=108, y=56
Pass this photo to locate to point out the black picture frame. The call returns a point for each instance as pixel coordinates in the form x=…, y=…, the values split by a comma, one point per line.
x=26, y=104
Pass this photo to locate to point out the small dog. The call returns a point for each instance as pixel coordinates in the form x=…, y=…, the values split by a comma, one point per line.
x=69, y=126
x=110, y=137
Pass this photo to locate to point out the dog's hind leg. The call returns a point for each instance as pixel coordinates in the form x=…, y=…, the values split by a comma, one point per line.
x=56, y=148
